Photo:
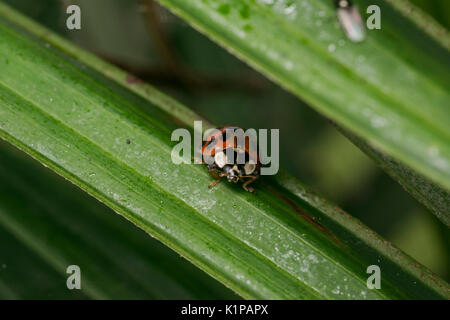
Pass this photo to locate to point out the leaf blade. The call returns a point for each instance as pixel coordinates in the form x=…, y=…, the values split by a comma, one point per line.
x=59, y=225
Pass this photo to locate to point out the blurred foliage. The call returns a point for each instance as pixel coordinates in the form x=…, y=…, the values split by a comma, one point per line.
x=47, y=224
x=439, y=9
x=147, y=40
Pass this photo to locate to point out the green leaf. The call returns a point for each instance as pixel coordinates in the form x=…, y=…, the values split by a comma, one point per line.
x=59, y=225
x=391, y=90
x=284, y=242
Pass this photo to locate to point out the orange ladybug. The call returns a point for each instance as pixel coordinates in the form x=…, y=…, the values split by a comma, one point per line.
x=236, y=163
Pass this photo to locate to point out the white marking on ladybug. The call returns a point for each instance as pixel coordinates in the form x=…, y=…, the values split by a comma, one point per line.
x=249, y=167
x=220, y=159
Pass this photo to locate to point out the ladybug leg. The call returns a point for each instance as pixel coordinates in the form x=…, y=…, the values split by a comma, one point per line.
x=246, y=183
x=212, y=184
x=215, y=174
x=218, y=178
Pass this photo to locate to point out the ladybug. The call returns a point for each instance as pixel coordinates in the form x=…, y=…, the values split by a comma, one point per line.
x=219, y=148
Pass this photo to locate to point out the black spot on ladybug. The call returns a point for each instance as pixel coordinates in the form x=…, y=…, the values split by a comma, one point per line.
x=224, y=135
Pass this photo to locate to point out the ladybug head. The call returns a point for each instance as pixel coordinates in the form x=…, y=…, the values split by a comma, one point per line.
x=232, y=173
